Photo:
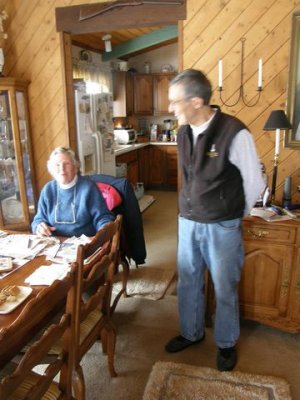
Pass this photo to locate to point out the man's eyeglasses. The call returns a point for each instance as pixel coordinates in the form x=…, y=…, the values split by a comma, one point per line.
x=173, y=103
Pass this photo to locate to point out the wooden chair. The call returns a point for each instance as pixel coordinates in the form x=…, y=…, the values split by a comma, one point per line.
x=119, y=261
x=96, y=261
x=19, y=381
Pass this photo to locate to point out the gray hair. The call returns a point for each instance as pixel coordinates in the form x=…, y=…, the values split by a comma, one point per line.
x=63, y=150
x=195, y=84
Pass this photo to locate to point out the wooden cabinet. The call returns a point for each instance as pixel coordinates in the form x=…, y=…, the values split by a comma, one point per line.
x=122, y=94
x=151, y=94
x=143, y=162
x=160, y=93
x=143, y=94
x=163, y=167
x=131, y=161
x=269, y=289
x=17, y=191
x=153, y=165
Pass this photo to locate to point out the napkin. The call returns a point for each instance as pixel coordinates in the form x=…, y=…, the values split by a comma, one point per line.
x=47, y=274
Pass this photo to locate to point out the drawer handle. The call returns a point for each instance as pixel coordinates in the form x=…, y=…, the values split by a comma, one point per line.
x=259, y=234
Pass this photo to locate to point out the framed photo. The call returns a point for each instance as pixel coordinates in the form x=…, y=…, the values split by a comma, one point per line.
x=292, y=137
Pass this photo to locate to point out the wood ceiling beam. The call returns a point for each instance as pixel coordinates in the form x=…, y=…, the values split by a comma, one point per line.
x=149, y=40
x=68, y=18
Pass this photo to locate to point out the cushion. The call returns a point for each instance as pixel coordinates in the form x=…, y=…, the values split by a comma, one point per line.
x=111, y=196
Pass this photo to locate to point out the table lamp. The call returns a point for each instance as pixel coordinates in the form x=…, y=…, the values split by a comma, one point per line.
x=276, y=121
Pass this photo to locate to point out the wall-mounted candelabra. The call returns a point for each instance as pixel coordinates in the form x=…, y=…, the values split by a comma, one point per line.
x=241, y=89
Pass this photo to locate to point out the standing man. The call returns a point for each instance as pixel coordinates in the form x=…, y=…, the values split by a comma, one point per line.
x=221, y=181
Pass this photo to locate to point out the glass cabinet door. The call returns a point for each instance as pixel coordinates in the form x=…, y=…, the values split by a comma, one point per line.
x=17, y=194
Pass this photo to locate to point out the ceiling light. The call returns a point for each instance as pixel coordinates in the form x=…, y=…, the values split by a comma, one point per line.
x=107, y=42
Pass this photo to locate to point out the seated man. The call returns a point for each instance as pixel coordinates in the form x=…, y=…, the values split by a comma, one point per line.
x=71, y=204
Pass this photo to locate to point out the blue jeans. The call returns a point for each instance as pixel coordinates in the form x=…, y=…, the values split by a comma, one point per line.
x=218, y=247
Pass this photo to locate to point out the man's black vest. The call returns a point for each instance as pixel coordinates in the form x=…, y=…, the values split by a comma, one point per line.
x=212, y=188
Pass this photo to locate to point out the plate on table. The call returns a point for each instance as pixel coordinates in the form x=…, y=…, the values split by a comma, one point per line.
x=10, y=306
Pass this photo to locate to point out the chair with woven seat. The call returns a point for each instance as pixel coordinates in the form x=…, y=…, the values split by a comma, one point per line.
x=18, y=380
x=96, y=261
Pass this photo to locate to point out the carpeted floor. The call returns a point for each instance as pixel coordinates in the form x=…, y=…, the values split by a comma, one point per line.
x=144, y=326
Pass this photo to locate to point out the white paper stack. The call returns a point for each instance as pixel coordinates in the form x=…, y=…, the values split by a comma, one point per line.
x=47, y=274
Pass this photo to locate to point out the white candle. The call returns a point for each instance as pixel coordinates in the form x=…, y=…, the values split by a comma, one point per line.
x=277, y=141
x=220, y=73
x=259, y=83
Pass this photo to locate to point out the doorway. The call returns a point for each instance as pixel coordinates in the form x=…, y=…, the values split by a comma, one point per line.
x=88, y=18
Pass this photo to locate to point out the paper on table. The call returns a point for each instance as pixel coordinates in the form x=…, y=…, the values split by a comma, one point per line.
x=67, y=251
x=47, y=274
x=24, y=246
x=268, y=214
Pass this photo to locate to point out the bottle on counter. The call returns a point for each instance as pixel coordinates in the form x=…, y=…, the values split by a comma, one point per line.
x=153, y=132
x=167, y=130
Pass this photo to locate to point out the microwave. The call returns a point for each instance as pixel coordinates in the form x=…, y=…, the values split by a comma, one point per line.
x=125, y=136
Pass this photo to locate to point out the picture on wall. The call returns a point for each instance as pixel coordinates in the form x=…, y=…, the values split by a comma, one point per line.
x=292, y=138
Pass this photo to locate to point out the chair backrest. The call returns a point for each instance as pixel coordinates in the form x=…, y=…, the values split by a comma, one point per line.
x=22, y=378
x=96, y=261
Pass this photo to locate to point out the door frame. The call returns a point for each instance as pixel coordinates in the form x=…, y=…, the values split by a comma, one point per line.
x=68, y=22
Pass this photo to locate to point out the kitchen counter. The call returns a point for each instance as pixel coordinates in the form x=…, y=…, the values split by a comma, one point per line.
x=126, y=148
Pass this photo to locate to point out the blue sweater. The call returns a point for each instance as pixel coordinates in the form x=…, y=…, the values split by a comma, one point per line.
x=78, y=210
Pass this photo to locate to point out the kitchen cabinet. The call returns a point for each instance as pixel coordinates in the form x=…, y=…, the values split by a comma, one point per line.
x=143, y=94
x=122, y=94
x=162, y=167
x=143, y=163
x=269, y=289
x=17, y=191
x=131, y=161
x=161, y=93
x=151, y=94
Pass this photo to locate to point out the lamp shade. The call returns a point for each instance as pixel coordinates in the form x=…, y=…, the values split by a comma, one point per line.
x=277, y=120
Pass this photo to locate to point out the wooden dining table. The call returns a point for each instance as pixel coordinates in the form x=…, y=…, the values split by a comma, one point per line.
x=17, y=277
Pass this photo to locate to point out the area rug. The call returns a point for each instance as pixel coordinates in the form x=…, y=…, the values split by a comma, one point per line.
x=171, y=381
x=148, y=282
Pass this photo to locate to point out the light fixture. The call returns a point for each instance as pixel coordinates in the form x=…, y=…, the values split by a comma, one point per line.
x=107, y=42
x=276, y=121
x=241, y=90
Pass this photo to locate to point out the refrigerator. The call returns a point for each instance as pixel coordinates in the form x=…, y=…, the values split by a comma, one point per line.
x=95, y=132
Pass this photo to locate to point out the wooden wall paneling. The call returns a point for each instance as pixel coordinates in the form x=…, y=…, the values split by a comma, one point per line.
x=30, y=39
x=66, y=55
x=180, y=46
x=200, y=14
x=254, y=49
x=18, y=14
x=216, y=29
